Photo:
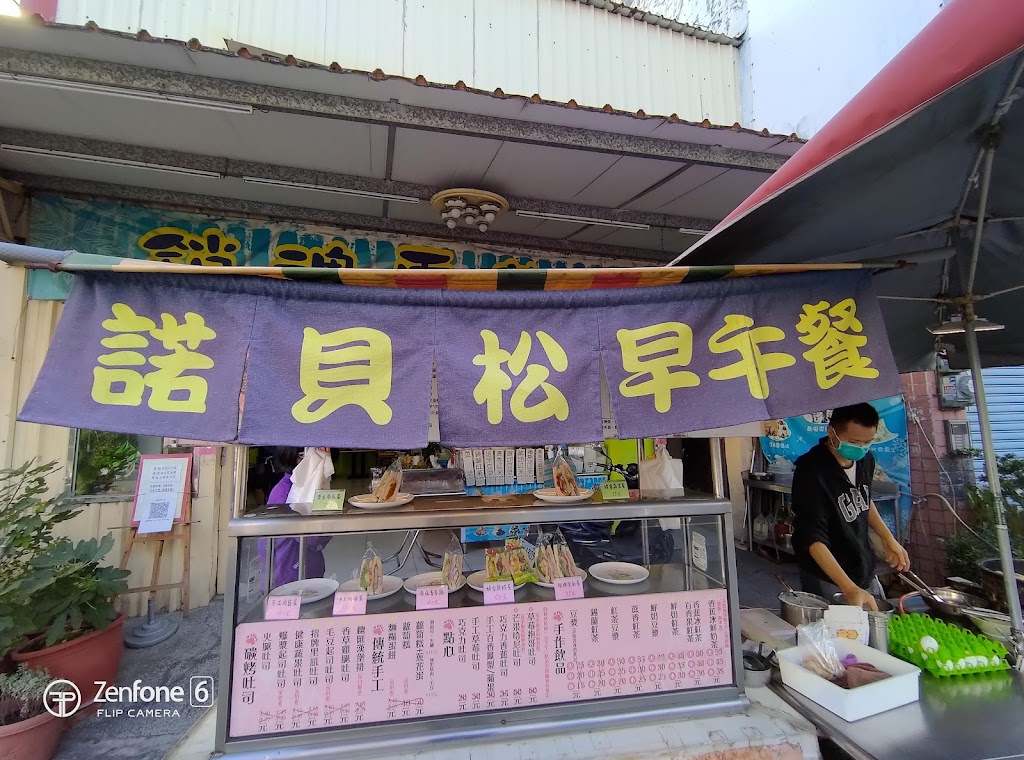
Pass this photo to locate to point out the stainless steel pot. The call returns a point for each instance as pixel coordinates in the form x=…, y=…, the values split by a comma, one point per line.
x=883, y=605
x=801, y=608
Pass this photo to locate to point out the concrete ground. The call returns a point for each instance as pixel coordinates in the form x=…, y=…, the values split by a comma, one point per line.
x=195, y=651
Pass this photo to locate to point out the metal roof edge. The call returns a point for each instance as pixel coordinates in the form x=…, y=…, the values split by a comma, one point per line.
x=195, y=45
x=690, y=30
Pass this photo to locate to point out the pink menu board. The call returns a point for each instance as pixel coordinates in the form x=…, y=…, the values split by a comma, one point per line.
x=312, y=674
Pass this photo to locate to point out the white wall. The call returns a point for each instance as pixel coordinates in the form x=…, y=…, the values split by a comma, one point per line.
x=802, y=60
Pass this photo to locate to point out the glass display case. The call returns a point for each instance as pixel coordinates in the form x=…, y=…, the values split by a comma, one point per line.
x=648, y=634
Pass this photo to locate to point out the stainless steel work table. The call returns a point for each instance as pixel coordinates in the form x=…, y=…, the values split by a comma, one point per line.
x=957, y=718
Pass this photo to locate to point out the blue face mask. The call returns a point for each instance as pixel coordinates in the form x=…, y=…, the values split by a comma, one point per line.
x=852, y=451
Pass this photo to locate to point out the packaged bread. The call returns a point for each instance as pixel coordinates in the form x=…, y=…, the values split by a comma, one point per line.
x=545, y=564
x=390, y=483
x=563, y=476
x=371, y=572
x=451, y=566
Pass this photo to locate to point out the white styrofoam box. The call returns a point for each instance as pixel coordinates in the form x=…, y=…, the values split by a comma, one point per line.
x=853, y=704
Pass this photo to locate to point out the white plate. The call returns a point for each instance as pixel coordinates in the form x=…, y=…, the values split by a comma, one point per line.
x=362, y=501
x=430, y=579
x=551, y=496
x=310, y=590
x=619, y=573
x=392, y=585
x=476, y=581
x=580, y=573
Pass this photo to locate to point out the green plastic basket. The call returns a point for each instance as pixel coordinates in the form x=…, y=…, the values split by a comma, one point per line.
x=959, y=652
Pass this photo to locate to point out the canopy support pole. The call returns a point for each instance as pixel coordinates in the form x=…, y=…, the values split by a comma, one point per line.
x=992, y=473
x=987, y=443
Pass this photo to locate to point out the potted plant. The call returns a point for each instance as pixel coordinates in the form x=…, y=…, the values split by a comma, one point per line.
x=56, y=600
x=28, y=731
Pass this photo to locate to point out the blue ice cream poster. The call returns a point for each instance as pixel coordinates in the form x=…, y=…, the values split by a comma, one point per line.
x=788, y=439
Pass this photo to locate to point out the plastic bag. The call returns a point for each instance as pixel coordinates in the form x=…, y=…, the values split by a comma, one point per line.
x=822, y=658
x=497, y=565
x=371, y=572
x=390, y=482
x=563, y=476
x=451, y=566
x=519, y=562
x=662, y=473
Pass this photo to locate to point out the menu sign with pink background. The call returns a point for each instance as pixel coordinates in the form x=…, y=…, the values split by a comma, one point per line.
x=318, y=673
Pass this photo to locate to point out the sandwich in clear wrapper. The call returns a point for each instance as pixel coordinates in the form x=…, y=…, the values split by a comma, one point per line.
x=518, y=562
x=563, y=556
x=497, y=565
x=564, y=477
x=451, y=566
x=390, y=483
x=371, y=572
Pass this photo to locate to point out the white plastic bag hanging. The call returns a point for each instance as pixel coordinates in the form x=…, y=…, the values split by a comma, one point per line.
x=312, y=474
x=662, y=473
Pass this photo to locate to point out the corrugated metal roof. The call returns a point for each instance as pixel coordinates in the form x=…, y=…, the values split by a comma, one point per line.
x=1004, y=390
x=675, y=25
x=240, y=50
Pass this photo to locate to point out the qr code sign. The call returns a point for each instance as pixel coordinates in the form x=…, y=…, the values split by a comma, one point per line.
x=159, y=510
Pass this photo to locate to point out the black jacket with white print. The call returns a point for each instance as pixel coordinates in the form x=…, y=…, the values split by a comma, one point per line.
x=828, y=508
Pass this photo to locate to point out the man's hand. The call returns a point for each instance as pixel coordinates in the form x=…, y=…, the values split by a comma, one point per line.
x=860, y=598
x=897, y=556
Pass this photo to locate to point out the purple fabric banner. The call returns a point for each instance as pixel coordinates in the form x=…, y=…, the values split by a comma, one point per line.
x=528, y=378
x=351, y=376
x=131, y=359
x=743, y=351
x=351, y=367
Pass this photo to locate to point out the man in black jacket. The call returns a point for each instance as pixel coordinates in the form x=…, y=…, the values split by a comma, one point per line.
x=834, y=511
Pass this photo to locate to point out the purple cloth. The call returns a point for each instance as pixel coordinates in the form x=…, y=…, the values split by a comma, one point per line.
x=286, y=550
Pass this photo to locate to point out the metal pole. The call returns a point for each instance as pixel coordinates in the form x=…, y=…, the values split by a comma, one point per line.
x=992, y=473
x=979, y=228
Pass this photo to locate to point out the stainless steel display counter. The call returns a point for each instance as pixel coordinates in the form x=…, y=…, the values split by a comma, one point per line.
x=957, y=718
x=669, y=646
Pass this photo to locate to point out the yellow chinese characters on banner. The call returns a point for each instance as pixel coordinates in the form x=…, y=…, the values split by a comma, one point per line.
x=834, y=334
x=655, y=355
x=739, y=335
x=490, y=390
x=119, y=380
x=346, y=367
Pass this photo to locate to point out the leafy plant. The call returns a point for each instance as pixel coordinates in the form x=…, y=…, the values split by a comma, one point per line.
x=81, y=596
x=21, y=694
x=49, y=585
x=103, y=459
x=964, y=549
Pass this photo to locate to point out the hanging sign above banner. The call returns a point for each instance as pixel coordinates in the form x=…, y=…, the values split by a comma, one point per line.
x=325, y=366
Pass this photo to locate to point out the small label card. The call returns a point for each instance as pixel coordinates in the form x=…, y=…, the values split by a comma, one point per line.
x=329, y=501
x=699, y=551
x=283, y=608
x=350, y=603
x=432, y=598
x=499, y=592
x=615, y=490
x=569, y=588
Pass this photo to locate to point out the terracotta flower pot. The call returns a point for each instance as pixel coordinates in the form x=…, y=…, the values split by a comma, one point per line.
x=93, y=657
x=33, y=739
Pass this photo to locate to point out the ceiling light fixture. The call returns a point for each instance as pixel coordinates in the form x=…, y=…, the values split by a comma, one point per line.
x=688, y=231
x=330, y=189
x=474, y=208
x=125, y=92
x=955, y=325
x=108, y=161
x=581, y=220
